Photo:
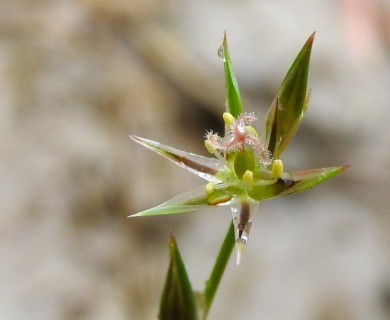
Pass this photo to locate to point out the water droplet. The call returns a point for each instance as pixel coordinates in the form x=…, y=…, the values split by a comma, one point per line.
x=221, y=53
x=234, y=207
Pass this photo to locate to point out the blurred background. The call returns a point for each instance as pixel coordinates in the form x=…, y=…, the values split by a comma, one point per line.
x=77, y=77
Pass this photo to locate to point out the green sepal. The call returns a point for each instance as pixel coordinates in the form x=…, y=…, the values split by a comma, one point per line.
x=177, y=301
x=189, y=201
x=234, y=102
x=286, y=111
x=307, y=179
x=294, y=182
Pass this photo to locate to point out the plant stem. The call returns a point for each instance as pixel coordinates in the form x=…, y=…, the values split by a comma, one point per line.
x=218, y=270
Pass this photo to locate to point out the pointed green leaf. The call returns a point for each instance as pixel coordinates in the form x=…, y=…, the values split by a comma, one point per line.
x=196, y=199
x=177, y=301
x=234, y=103
x=286, y=111
x=204, y=167
x=294, y=182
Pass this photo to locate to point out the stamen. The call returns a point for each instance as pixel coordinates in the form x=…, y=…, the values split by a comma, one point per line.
x=277, y=168
x=209, y=146
x=252, y=131
x=247, y=178
x=228, y=118
x=209, y=188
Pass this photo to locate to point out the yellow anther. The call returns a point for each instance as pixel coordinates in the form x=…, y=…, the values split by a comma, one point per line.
x=209, y=146
x=248, y=177
x=228, y=118
x=252, y=131
x=210, y=188
x=277, y=168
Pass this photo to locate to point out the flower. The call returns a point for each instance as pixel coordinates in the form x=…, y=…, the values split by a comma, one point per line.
x=240, y=136
x=246, y=168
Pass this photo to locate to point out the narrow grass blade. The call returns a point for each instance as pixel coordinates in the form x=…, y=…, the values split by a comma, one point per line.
x=218, y=270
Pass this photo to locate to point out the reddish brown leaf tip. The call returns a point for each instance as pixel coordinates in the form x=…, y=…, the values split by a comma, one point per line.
x=345, y=167
x=311, y=38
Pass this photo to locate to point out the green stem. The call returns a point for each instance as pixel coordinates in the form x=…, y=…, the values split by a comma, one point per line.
x=218, y=270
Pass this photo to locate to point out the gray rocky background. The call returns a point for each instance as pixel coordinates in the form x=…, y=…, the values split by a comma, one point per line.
x=77, y=77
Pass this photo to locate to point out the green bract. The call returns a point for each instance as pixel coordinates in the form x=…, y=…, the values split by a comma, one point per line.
x=246, y=167
x=177, y=301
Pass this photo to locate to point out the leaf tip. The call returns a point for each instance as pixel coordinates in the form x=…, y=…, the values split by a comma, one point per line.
x=240, y=245
x=135, y=138
x=310, y=40
x=172, y=242
x=133, y=215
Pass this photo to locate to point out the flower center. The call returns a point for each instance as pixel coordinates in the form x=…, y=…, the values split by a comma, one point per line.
x=240, y=137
